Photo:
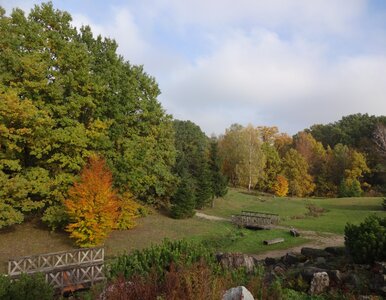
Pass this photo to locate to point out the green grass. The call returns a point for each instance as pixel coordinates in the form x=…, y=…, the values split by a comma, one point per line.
x=32, y=238
x=339, y=211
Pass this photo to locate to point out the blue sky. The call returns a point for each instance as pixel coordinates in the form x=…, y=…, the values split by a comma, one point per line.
x=290, y=63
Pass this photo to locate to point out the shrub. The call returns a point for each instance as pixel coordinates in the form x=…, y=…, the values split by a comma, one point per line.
x=55, y=217
x=129, y=211
x=366, y=242
x=350, y=188
x=27, y=287
x=158, y=258
x=384, y=204
x=196, y=281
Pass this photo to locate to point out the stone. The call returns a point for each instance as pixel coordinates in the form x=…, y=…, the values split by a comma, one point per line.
x=279, y=270
x=238, y=293
x=236, y=260
x=290, y=259
x=319, y=283
x=320, y=260
x=269, y=261
x=337, y=251
x=314, y=253
x=379, y=267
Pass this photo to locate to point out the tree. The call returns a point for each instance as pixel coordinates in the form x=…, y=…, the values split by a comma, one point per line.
x=218, y=180
x=183, y=201
x=192, y=167
x=92, y=205
x=272, y=168
x=380, y=138
x=296, y=171
x=243, y=159
x=280, y=187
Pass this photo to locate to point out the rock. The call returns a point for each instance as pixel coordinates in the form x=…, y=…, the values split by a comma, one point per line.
x=294, y=232
x=269, y=261
x=238, y=293
x=236, y=260
x=337, y=251
x=290, y=259
x=279, y=270
x=320, y=260
x=319, y=283
x=379, y=267
x=314, y=253
x=335, y=276
x=353, y=280
x=364, y=297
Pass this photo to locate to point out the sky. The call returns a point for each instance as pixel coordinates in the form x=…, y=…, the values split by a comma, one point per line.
x=285, y=63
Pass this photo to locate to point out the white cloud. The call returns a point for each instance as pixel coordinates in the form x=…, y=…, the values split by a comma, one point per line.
x=260, y=78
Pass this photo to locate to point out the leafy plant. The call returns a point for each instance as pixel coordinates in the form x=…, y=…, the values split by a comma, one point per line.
x=366, y=242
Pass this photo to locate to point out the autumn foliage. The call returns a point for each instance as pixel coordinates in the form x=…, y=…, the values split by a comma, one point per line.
x=92, y=205
x=281, y=186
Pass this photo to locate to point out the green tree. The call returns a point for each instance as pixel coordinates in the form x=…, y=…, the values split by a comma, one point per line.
x=218, y=180
x=193, y=159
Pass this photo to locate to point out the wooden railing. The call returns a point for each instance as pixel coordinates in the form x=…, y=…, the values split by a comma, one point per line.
x=255, y=219
x=68, y=269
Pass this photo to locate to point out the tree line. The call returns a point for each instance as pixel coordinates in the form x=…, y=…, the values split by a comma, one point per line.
x=342, y=159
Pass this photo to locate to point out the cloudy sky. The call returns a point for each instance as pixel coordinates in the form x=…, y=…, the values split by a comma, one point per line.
x=290, y=63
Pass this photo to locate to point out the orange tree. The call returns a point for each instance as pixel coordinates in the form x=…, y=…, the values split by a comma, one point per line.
x=92, y=204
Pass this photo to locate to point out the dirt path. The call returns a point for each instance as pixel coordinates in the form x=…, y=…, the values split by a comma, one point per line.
x=212, y=218
x=317, y=239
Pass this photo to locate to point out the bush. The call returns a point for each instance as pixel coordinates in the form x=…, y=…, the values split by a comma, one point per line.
x=27, y=287
x=366, y=242
x=384, y=204
x=55, y=217
x=159, y=258
x=350, y=188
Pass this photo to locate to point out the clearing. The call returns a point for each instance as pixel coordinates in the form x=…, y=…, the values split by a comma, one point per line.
x=33, y=238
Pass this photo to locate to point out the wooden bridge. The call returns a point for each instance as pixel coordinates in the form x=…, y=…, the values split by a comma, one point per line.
x=255, y=220
x=65, y=271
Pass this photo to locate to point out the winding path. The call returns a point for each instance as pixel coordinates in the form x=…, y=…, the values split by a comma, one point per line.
x=317, y=239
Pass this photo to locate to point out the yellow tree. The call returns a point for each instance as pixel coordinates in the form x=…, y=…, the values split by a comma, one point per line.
x=92, y=205
x=281, y=186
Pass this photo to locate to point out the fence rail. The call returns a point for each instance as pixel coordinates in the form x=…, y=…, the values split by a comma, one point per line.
x=255, y=219
x=67, y=269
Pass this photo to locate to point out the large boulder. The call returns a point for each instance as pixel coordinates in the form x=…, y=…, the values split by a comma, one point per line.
x=319, y=283
x=236, y=260
x=238, y=293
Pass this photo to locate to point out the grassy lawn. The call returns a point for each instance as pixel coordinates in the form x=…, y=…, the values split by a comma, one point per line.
x=339, y=211
x=32, y=238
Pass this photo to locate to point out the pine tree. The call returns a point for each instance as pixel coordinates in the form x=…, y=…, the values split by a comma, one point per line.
x=183, y=201
x=218, y=180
